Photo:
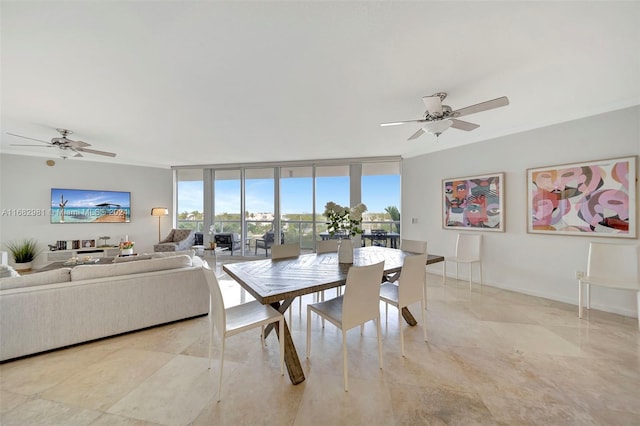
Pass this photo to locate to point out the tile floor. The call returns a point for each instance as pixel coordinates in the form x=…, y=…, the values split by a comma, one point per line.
x=493, y=357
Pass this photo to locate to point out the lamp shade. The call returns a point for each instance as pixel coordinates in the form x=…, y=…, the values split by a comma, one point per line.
x=159, y=211
x=437, y=127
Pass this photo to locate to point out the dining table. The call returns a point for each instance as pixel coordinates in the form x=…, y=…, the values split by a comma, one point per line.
x=278, y=282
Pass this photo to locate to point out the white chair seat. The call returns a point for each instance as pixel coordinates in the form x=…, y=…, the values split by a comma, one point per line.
x=248, y=315
x=331, y=310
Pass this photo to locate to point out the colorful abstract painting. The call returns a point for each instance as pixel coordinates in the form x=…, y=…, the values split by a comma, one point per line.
x=475, y=202
x=597, y=199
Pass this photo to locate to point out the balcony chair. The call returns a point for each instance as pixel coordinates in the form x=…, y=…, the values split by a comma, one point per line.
x=359, y=304
x=612, y=266
x=468, y=250
x=228, y=240
x=177, y=240
x=379, y=237
x=407, y=290
x=237, y=319
x=267, y=240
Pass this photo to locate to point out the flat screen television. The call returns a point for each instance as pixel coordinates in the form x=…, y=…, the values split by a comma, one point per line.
x=90, y=206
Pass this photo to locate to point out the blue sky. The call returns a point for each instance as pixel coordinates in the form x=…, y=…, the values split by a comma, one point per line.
x=378, y=192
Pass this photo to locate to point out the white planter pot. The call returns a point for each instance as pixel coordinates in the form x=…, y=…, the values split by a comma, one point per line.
x=22, y=267
x=126, y=252
x=345, y=251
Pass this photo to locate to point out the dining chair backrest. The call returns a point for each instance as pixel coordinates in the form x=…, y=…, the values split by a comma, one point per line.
x=412, y=279
x=327, y=246
x=615, y=262
x=362, y=295
x=413, y=246
x=216, y=304
x=281, y=251
x=468, y=247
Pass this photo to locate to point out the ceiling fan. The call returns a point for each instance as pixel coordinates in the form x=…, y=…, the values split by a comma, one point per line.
x=65, y=144
x=439, y=117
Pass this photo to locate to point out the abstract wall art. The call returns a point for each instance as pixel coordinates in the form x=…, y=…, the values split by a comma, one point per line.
x=596, y=199
x=474, y=203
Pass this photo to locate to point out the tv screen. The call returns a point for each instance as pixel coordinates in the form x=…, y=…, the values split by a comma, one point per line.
x=90, y=206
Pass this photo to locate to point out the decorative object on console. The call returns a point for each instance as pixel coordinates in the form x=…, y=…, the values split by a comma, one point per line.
x=90, y=206
x=24, y=252
x=212, y=237
x=596, y=199
x=474, y=202
x=126, y=248
x=159, y=211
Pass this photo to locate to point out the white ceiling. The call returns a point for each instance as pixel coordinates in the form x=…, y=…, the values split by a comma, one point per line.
x=200, y=82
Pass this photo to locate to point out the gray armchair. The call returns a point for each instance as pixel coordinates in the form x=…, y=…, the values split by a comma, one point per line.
x=177, y=240
x=267, y=241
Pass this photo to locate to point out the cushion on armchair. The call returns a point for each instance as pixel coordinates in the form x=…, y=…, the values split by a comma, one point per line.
x=178, y=239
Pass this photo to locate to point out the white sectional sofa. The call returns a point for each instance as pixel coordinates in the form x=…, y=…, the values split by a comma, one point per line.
x=62, y=307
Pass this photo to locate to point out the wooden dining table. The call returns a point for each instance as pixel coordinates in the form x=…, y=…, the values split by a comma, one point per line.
x=279, y=282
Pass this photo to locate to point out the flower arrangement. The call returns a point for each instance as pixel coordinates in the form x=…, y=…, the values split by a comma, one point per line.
x=344, y=220
x=124, y=245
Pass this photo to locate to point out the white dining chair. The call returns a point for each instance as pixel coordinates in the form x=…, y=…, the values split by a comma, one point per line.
x=612, y=266
x=237, y=319
x=359, y=304
x=468, y=250
x=408, y=289
x=413, y=246
x=283, y=251
x=327, y=246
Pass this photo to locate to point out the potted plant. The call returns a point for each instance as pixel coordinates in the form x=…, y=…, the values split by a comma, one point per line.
x=24, y=252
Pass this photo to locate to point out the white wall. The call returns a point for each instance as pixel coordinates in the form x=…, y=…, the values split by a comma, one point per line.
x=26, y=182
x=537, y=264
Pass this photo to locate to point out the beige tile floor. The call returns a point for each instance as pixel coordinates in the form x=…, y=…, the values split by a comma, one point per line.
x=493, y=357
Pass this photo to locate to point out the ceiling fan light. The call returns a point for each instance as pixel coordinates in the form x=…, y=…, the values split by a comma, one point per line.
x=437, y=127
x=433, y=104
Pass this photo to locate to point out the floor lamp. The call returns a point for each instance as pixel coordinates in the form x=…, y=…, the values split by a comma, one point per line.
x=159, y=211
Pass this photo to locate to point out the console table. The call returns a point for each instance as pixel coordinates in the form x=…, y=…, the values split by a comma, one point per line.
x=59, y=255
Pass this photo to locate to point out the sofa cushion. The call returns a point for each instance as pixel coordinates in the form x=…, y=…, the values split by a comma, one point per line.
x=87, y=272
x=162, y=254
x=7, y=271
x=49, y=277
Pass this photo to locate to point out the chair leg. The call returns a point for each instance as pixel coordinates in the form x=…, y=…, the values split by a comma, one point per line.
x=379, y=332
x=281, y=337
x=588, y=296
x=344, y=361
x=386, y=313
x=220, y=373
x=579, y=299
x=262, y=336
x=308, y=331
x=456, y=270
x=444, y=272
x=401, y=331
x=638, y=310
x=480, y=266
x=424, y=320
x=210, y=338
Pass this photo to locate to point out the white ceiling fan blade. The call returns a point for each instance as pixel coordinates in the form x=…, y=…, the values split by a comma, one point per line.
x=482, y=106
x=78, y=144
x=416, y=135
x=27, y=137
x=396, y=123
x=39, y=146
x=463, y=125
x=433, y=104
x=93, y=151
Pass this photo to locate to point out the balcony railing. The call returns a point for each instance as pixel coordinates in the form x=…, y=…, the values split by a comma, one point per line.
x=300, y=231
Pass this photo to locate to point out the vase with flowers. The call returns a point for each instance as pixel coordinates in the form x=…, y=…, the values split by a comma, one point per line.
x=126, y=248
x=346, y=223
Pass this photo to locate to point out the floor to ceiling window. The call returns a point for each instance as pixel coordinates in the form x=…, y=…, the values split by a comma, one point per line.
x=259, y=202
x=296, y=205
x=380, y=193
x=227, y=201
x=190, y=200
x=253, y=199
